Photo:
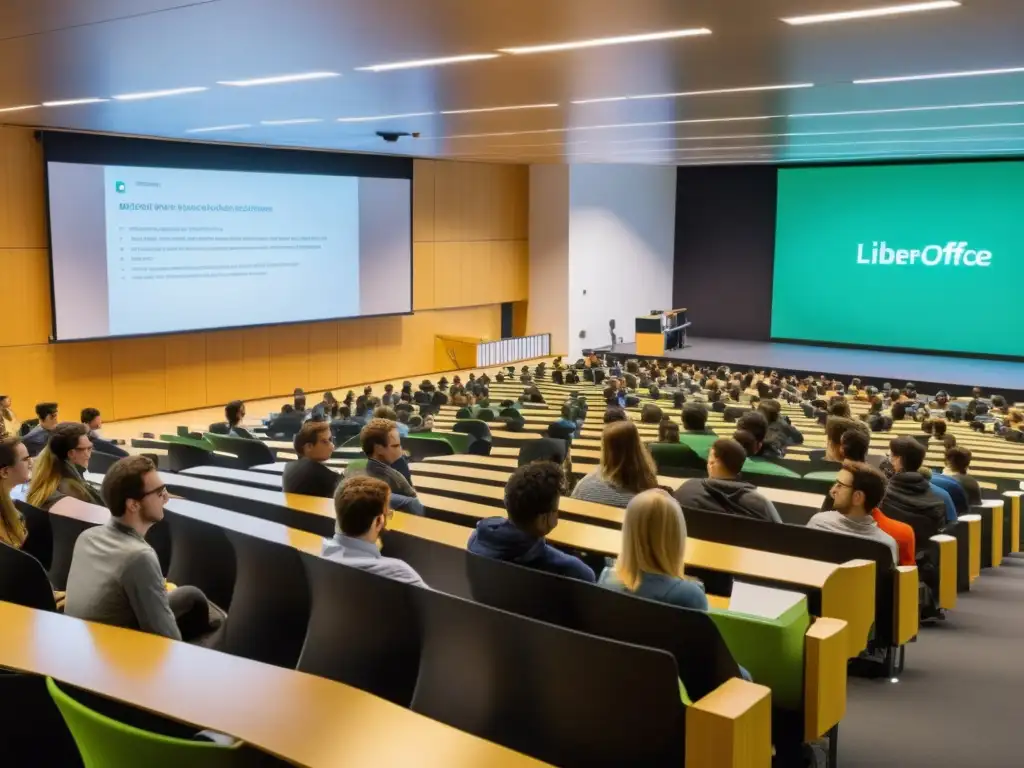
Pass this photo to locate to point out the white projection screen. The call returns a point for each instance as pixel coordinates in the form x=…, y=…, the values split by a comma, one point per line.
x=183, y=240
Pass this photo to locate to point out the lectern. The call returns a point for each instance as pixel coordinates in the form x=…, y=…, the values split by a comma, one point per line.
x=661, y=331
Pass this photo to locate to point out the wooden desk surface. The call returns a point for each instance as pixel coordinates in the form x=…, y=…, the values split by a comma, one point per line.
x=309, y=720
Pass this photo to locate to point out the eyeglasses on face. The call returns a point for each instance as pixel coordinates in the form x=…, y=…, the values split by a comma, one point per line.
x=839, y=483
x=160, y=490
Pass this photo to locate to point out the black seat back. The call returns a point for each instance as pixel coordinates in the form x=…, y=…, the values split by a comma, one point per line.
x=543, y=449
x=249, y=452
x=181, y=457
x=39, y=543
x=441, y=566
x=701, y=655
x=803, y=542
x=23, y=580
x=100, y=462
x=353, y=638
x=201, y=556
x=549, y=692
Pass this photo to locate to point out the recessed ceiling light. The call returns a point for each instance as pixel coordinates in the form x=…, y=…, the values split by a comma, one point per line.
x=375, y=118
x=158, y=94
x=497, y=109
x=277, y=79
x=415, y=63
x=894, y=110
x=870, y=13
x=612, y=125
x=684, y=94
x=20, y=108
x=601, y=41
x=293, y=121
x=72, y=102
x=212, y=128
x=940, y=76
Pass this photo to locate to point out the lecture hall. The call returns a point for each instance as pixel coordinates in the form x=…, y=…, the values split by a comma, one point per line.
x=588, y=384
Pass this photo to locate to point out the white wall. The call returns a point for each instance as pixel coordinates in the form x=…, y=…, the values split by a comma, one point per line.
x=548, y=309
x=621, y=249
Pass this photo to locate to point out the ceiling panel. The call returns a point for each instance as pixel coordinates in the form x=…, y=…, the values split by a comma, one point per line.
x=60, y=49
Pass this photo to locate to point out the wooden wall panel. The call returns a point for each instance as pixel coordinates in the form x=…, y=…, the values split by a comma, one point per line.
x=470, y=248
x=186, y=371
x=26, y=280
x=139, y=383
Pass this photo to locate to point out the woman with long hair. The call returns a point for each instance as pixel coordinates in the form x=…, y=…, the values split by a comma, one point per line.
x=650, y=562
x=15, y=470
x=626, y=468
x=60, y=468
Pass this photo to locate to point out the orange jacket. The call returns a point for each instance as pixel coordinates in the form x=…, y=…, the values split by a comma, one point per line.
x=903, y=534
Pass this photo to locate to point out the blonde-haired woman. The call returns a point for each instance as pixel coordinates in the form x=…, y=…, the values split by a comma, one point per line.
x=650, y=563
x=15, y=470
x=626, y=468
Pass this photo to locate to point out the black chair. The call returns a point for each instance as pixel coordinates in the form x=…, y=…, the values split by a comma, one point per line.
x=421, y=448
x=353, y=639
x=438, y=399
x=464, y=413
x=27, y=426
x=599, y=376
x=65, y=534
x=220, y=428
x=23, y=580
x=561, y=431
x=543, y=449
x=701, y=654
x=39, y=543
x=441, y=566
x=249, y=452
x=481, y=440
x=270, y=605
x=180, y=457
x=486, y=414
x=101, y=462
x=588, y=374
x=201, y=555
x=420, y=397
x=549, y=692
x=733, y=413
x=342, y=431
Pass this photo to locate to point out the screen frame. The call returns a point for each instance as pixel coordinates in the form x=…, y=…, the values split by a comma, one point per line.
x=103, y=149
x=875, y=347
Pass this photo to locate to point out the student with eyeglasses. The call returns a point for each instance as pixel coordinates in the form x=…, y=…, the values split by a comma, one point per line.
x=309, y=474
x=115, y=575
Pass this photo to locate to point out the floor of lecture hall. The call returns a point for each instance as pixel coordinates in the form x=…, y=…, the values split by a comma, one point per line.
x=958, y=701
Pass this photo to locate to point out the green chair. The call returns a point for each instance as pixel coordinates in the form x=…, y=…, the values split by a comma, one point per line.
x=701, y=444
x=674, y=457
x=106, y=743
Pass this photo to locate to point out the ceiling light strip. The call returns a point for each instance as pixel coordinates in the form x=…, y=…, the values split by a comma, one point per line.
x=279, y=79
x=598, y=42
x=212, y=128
x=293, y=121
x=20, y=108
x=159, y=94
x=73, y=102
x=498, y=109
x=940, y=76
x=871, y=13
x=437, y=62
x=687, y=94
x=375, y=118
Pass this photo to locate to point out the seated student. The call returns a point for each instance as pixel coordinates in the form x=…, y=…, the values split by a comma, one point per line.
x=386, y=412
x=287, y=423
x=565, y=418
x=94, y=422
x=668, y=431
x=39, y=435
x=308, y=474
x=15, y=470
x=60, y=468
x=362, y=509
x=958, y=461
x=756, y=424
x=956, y=493
x=234, y=412
x=650, y=561
x=615, y=413
x=531, y=500
x=9, y=424
x=858, y=489
x=781, y=433
x=389, y=397
x=910, y=497
x=723, y=491
x=383, y=448
x=650, y=414
x=115, y=575
x=626, y=468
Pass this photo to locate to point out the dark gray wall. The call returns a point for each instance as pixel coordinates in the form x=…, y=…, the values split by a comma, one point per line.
x=725, y=250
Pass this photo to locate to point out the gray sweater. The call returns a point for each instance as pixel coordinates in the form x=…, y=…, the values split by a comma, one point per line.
x=365, y=556
x=836, y=522
x=115, y=579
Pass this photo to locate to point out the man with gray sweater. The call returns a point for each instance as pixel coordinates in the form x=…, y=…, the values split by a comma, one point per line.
x=858, y=489
x=723, y=491
x=115, y=575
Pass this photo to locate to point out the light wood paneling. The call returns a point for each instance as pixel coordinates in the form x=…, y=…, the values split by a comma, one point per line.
x=470, y=253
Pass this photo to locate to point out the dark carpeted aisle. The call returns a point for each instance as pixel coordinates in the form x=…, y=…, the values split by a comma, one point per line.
x=958, y=701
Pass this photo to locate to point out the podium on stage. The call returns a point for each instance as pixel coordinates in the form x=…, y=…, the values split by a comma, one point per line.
x=661, y=331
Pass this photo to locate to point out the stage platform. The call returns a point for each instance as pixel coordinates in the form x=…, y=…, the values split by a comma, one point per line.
x=929, y=372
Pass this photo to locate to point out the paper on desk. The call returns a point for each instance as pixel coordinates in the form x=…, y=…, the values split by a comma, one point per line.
x=766, y=602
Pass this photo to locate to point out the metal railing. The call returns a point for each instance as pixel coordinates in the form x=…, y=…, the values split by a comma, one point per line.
x=512, y=350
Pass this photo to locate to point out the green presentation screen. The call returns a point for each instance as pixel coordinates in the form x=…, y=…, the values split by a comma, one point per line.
x=911, y=256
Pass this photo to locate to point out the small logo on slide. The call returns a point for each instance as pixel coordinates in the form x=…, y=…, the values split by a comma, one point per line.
x=120, y=187
x=954, y=254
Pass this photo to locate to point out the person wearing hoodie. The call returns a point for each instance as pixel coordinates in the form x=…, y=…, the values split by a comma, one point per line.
x=910, y=497
x=531, y=500
x=858, y=489
x=361, y=506
x=723, y=491
x=781, y=433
